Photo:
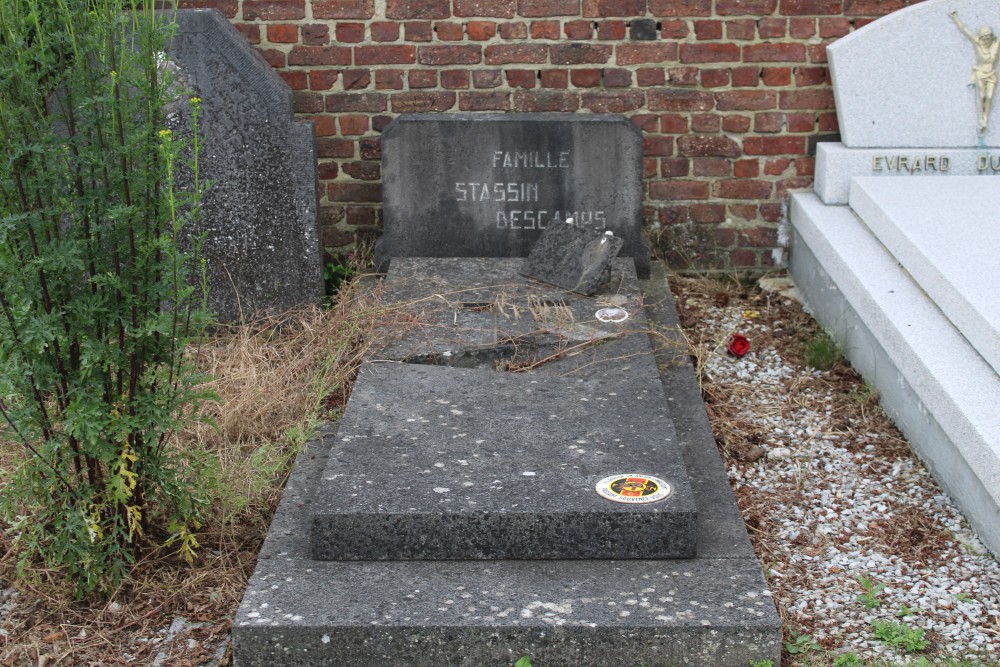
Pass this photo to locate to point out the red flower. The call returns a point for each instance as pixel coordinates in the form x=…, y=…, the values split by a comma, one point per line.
x=738, y=345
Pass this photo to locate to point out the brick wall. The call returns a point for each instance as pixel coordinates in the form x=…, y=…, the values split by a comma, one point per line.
x=731, y=95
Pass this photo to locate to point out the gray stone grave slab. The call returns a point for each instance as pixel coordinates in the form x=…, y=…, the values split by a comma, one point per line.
x=259, y=217
x=573, y=258
x=486, y=185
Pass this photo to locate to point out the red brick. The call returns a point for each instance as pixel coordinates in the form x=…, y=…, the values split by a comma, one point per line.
x=379, y=123
x=776, y=166
x=774, y=145
x=484, y=101
x=810, y=76
x=862, y=22
x=389, y=79
x=708, y=30
x=651, y=52
x=514, y=30
x=834, y=27
x=481, y=30
x=801, y=122
x=447, y=31
x=675, y=167
x=678, y=190
x=650, y=76
x=805, y=166
x=353, y=124
x=872, y=7
x=807, y=99
x=578, y=29
x=738, y=100
x=646, y=122
x=711, y=166
x=649, y=168
x=385, y=31
x=327, y=170
x=827, y=122
x=319, y=55
x=611, y=30
x=695, y=146
x=555, y=78
x=454, y=79
x=776, y=76
x=350, y=32
x=742, y=189
x=356, y=79
x=274, y=10
x=508, y=54
x=323, y=79
x=817, y=53
x=657, y=146
x=274, y=57
x=358, y=192
x=745, y=77
x=618, y=101
x=742, y=258
x=745, y=7
x=403, y=54
x=707, y=213
x=743, y=211
x=674, y=124
x=714, y=78
x=418, y=9
x=811, y=7
x=422, y=102
x=422, y=78
x=331, y=147
x=769, y=122
x=296, y=79
x=579, y=54
x=705, y=122
x=371, y=102
x=674, y=29
x=772, y=28
x=673, y=215
x=226, y=7
x=710, y=53
x=315, y=34
x=736, y=123
x=759, y=237
x=599, y=8
x=801, y=28
x=746, y=168
x=360, y=216
x=283, y=33
x=342, y=9
x=250, y=31
x=418, y=31
x=680, y=7
x=450, y=55
x=501, y=9
x=535, y=8
x=683, y=76
x=306, y=102
x=521, y=78
x=741, y=29
x=545, y=29
x=760, y=53
x=363, y=171
x=545, y=100
x=585, y=78
x=673, y=99
x=487, y=78
x=617, y=78
x=371, y=149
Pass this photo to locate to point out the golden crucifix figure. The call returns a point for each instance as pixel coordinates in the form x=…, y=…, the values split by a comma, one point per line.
x=984, y=73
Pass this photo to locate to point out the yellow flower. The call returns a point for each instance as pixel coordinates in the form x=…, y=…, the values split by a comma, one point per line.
x=195, y=100
x=165, y=134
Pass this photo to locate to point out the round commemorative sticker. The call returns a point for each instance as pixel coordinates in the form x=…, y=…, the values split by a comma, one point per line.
x=612, y=314
x=633, y=488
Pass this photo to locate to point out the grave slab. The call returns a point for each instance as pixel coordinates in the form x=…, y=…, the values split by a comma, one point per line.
x=486, y=185
x=945, y=235
x=259, y=216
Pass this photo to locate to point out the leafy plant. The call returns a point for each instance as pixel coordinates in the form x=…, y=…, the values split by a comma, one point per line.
x=907, y=611
x=900, y=636
x=800, y=643
x=523, y=662
x=848, y=660
x=97, y=301
x=963, y=597
x=870, y=592
x=335, y=274
x=822, y=352
x=762, y=663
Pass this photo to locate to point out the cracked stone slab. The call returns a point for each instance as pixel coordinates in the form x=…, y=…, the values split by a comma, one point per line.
x=573, y=258
x=435, y=462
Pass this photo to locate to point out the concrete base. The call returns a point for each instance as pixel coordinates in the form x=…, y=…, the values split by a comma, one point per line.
x=714, y=609
x=938, y=390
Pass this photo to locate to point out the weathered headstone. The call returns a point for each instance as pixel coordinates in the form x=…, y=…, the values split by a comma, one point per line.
x=572, y=257
x=259, y=216
x=899, y=261
x=486, y=185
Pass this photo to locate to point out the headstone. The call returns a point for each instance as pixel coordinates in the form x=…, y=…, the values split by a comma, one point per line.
x=259, y=216
x=572, y=257
x=487, y=185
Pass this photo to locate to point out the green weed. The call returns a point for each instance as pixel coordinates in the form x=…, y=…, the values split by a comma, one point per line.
x=800, y=643
x=848, y=660
x=822, y=352
x=870, y=592
x=900, y=636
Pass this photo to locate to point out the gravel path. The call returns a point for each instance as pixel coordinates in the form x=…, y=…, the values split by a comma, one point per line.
x=850, y=527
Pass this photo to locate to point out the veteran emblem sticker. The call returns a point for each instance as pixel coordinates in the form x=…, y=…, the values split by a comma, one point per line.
x=633, y=489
